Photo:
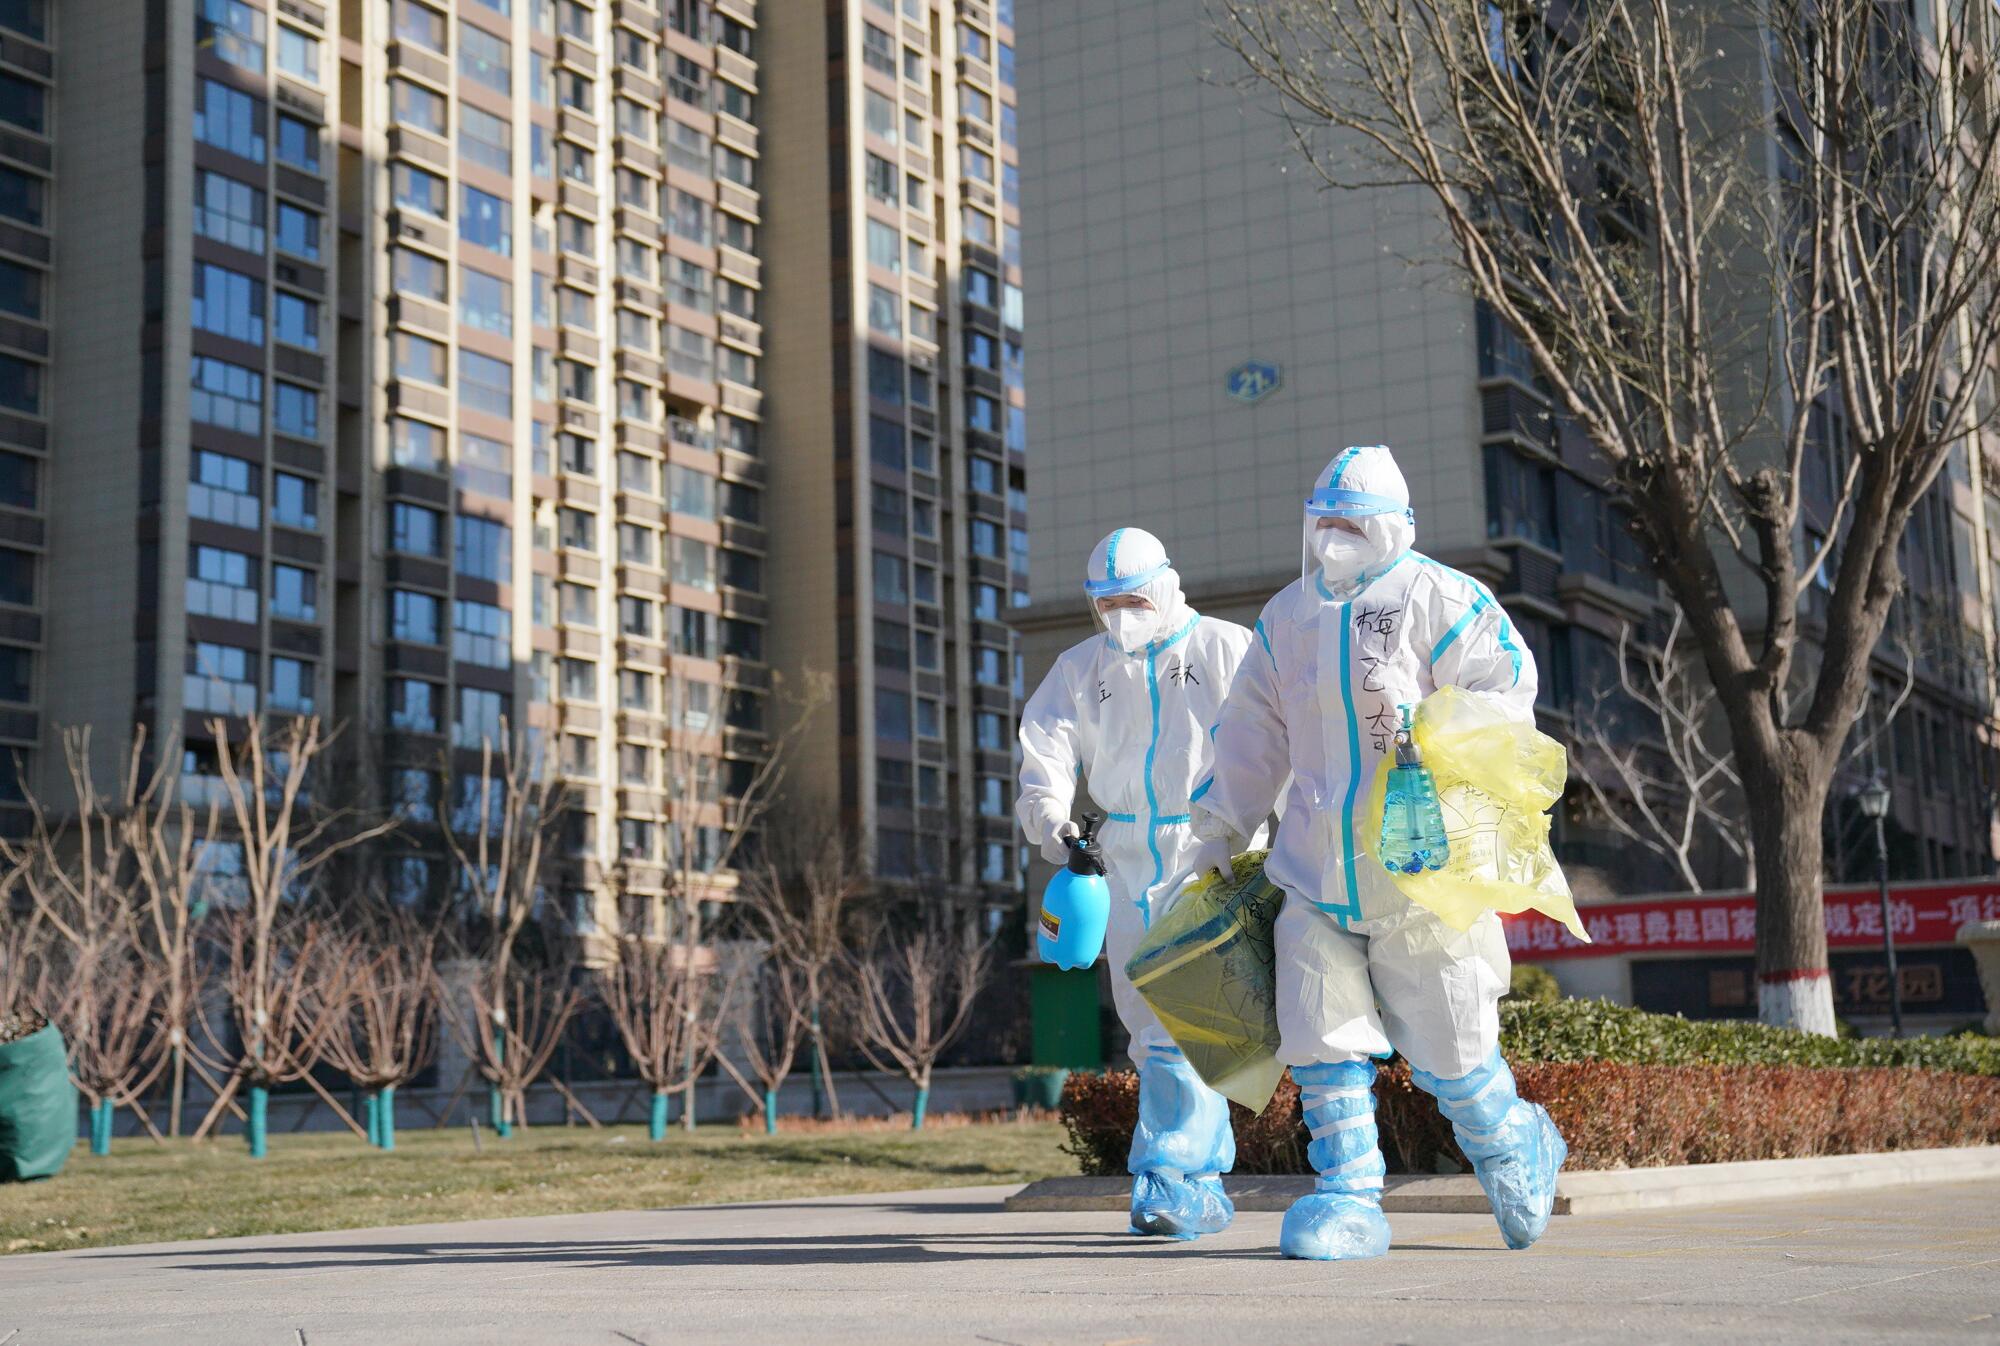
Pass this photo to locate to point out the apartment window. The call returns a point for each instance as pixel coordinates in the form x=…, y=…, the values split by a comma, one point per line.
x=981, y=288
x=419, y=357
x=693, y=633
x=577, y=454
x=297, y=319
x=889, y=508
x=576, y=529
x=730, y=34
x=930, y=718
x=1006, y=65
x=892, y=645
x=294, y=593
x=222, y=394
x=484, y=466
x=975, y=164
x=923, y=453
x=689, y=285
x=414, y=105
x=221, y=583
x=885, y=442
x=483, y=549
x=637, y=331
x=228, y=211
x=579, y=605
x=228, y=303
x=982, y=413
x=885, y=246
x=973, y=43
x=1010, y=306
x=294, y=501
x=927, y=651
x=219, y=679
x=576, y=235
x=735, y=166
x=484, y=219
x=891, y=584
x=16, y=673
x=635, y=617
x=1009, y=127
x=22, y=194
x=636, y=546
x=225, y=118
x=974, y=103
x=414, y=704
x=481, y=634
x=485, y=139
x=736, y=298
x=885, y=376
x=987, y=667
x=576, y=91
x=688, y=83
x=416, y=529
x=687, y=216
x=981, y=350
x=986, y=602
x=694, y=564
x=298, y=230
x=690, y=353
x=485, y=59
x=418, y=189
x=913, y=65
x=688, y=148
x=232, y=30
x=480, y=718
x=878, y=115
x=885, y=311
x=985, y=537
x=298, y=143
x=636, y=690
x=923, y=518
x=983, y=474
x=881, y=179
x=635, y=402
x=1520, y=498
x=419, y=274
x=223, y=489
x=892, y=715
x=736, y=232
x=298, y=54
x=893, y=784
x=485, y=384
x=637, y=473
x=416, y=444
x=735, y=100
x=579, y=680
x=979, y=227
x=19, y=480
x=485, y=302
x=419, y=23
x=690, y=492
x=415, y=617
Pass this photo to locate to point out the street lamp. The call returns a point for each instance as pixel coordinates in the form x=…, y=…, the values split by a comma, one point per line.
x=1874, y=801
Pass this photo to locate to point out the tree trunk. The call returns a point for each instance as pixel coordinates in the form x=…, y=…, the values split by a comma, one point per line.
x=770, y=1112
x=178, y=1095
x=656, y=1117
x=923, y=1102
x=371, y=1116
x=256, y=1129
x=385, y=1116
x=1786, y=800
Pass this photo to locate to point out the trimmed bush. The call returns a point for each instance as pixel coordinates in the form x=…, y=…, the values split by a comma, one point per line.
x=1631, y=1090
x=1596, y=1030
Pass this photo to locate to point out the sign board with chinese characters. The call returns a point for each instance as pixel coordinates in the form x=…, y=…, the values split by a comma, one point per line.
x=1922, y=913
x=1254, y=380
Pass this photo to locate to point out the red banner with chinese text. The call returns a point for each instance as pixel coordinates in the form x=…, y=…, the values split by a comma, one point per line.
x=1928, y=913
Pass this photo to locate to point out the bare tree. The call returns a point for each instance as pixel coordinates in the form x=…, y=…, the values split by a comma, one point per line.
x=500, y=827
x=911, y=995
x=718, y=805
x=1704, y=222
x=512, y=1028
x=286, y=835
x=667, y=998
x=390, y=996
x=797, y=899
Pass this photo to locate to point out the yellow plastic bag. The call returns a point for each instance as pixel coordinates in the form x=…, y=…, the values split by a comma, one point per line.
x=1205, y=968
x=1496, y=780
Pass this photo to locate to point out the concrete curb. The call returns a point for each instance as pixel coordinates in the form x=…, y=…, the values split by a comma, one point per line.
x=1603, y=1192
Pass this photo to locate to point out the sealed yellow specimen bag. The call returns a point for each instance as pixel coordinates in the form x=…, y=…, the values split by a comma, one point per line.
x=1206, y=969
x=1496, y=780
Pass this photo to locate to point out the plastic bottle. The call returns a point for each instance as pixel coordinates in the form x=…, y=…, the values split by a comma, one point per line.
x=1413, y=838
x=1076, y=904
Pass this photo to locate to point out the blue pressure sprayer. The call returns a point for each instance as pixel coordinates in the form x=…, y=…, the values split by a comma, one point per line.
x=1413, y=837
x=1076, y=904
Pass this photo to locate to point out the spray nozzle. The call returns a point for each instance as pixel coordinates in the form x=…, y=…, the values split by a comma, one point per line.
x=1084, y=856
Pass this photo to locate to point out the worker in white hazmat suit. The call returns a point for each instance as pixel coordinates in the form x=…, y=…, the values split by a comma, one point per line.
x=1130, y=710
x=1370, y=626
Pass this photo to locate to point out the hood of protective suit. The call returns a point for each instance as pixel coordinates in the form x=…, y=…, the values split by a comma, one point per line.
x=1133, y=561
x=1362, y=485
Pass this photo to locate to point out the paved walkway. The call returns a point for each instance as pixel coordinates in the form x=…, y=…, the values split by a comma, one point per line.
x=1914, y=1264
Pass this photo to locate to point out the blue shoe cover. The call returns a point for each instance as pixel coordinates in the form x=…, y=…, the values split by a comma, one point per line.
x=1171, y=1206
x=1334, y=1227
x=1521, y=1183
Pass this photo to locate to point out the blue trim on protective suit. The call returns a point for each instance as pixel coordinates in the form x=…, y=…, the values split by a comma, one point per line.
x=1265, y=637
x=1152, y=796
x=1506, y=633
x=1208, y=782
x=1479, y=605
x=1125, y=584
x=1110, y=817
x=1330, y=502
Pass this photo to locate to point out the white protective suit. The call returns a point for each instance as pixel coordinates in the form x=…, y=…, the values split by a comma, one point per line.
x=1371, y=625
x=1135, y=723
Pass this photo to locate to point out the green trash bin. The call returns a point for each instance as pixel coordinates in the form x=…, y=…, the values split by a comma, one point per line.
x=37, y=1106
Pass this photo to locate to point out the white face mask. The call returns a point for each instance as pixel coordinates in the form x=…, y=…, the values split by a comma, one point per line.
x=1131, y=628
x=1342, y=555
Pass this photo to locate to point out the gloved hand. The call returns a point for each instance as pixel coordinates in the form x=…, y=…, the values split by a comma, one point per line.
x=1209, y=853
x=1055, y=849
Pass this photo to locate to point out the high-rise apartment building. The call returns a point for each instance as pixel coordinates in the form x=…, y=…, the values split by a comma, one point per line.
x=399, y=362
x=894, y=433
x=1214, y=326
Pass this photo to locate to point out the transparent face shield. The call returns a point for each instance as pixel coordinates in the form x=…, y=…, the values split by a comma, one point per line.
x=1347, y=535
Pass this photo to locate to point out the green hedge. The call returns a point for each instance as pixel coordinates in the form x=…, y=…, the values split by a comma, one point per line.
x=1596, y=1030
